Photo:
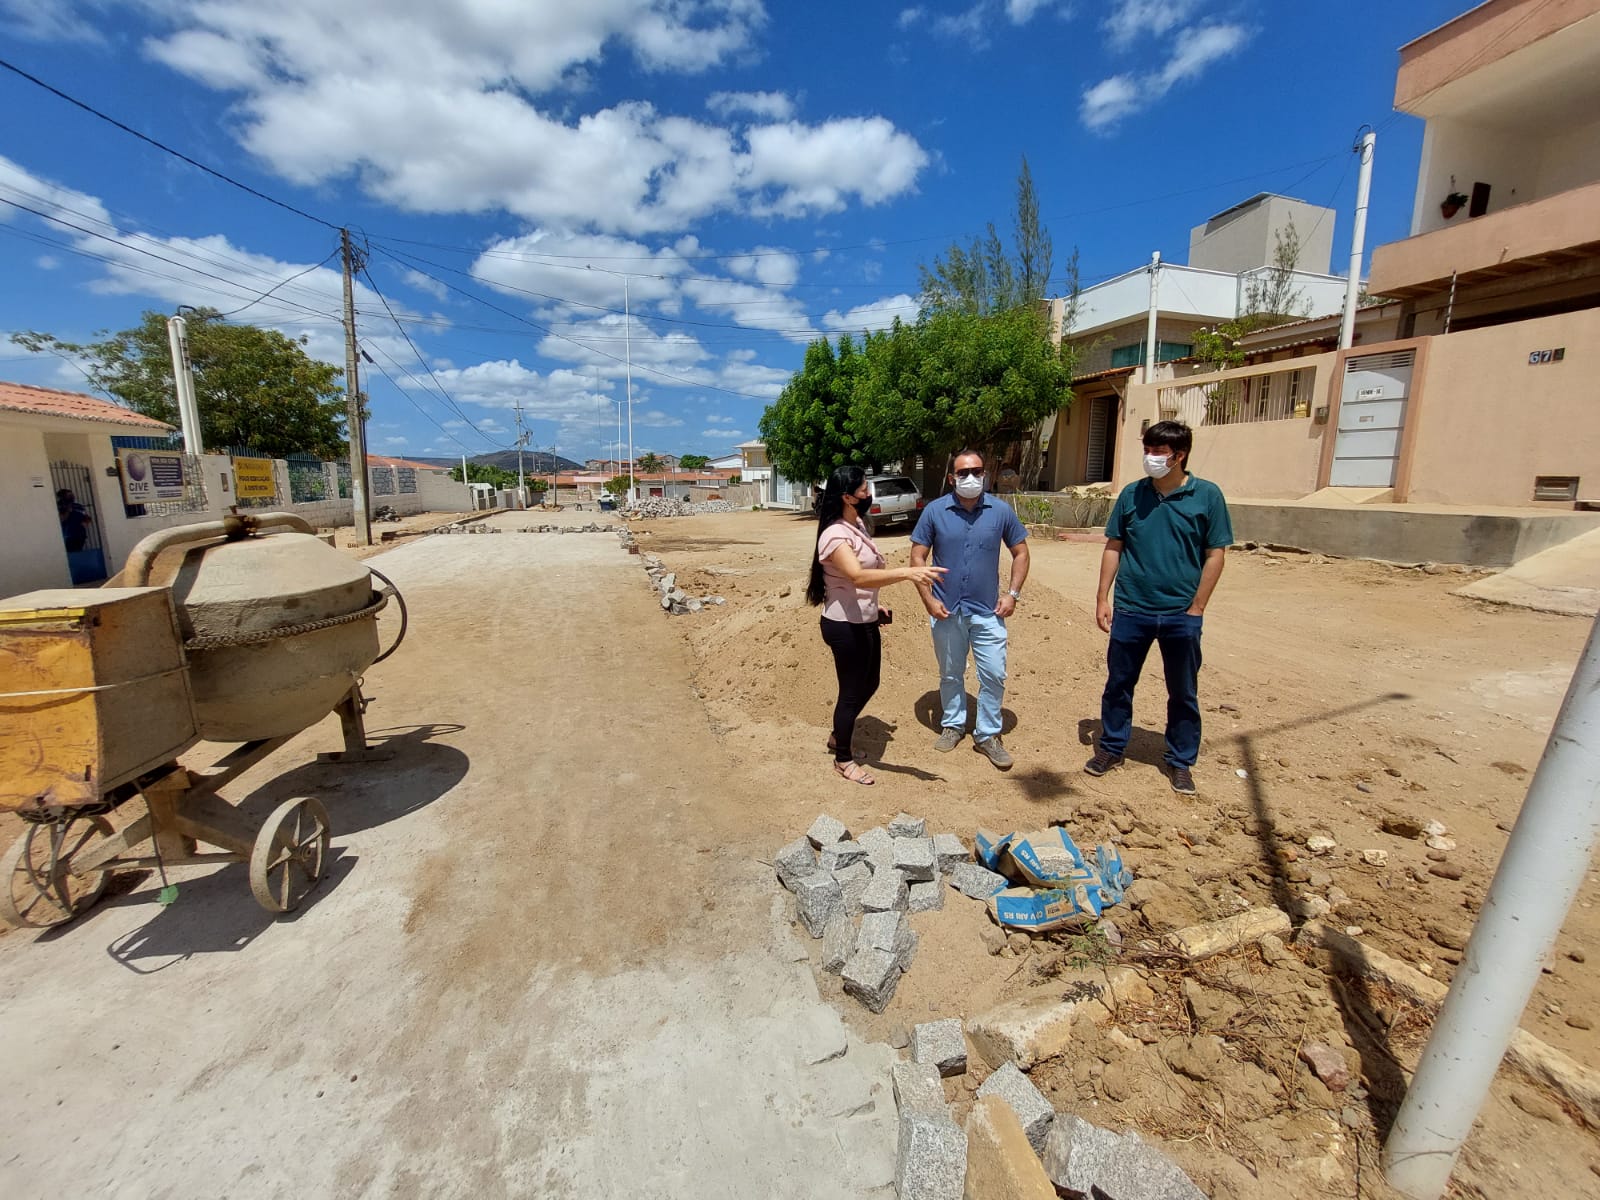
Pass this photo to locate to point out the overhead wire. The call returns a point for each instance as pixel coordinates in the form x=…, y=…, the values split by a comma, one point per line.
x=162, y=146
x=448, y=399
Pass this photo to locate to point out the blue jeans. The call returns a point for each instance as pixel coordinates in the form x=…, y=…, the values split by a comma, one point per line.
x=1178, y=634
x=985, y=638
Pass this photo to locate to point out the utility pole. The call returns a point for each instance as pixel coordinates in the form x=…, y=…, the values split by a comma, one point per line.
x=1150, y=321
x=1358, y=239
x=522, y=440
x=352, y=390
x=627, y=329
x=183, y=380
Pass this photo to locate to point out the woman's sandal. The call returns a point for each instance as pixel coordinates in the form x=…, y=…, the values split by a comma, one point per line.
x=854, y=773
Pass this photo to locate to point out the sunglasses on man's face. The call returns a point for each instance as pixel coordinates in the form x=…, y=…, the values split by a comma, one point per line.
x=968, y=472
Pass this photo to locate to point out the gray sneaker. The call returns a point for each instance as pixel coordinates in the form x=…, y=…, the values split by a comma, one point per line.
x=991, y=749
x=949, y=739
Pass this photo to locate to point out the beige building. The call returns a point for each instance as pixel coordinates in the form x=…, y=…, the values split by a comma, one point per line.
x=1473, y=384
x=1229, y=256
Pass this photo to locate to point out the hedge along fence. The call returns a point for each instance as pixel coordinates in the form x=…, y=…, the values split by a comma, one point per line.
x=1065, y=510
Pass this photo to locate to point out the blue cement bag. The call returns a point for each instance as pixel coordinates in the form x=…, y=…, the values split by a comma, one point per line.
x=1059, y=887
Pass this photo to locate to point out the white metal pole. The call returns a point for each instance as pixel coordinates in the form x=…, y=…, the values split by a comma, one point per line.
x=1358, y=241
x=472, y=500
x=183, y=386
x=627, y=320
x=1545, y=861
x=1150, y=323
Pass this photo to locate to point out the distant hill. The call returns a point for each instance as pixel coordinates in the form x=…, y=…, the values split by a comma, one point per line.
x=533, y=462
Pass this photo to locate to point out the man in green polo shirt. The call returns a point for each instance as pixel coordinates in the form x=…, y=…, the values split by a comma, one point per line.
x=1165, y=543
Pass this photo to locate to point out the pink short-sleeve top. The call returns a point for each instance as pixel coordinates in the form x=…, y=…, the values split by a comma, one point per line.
x=841, y=599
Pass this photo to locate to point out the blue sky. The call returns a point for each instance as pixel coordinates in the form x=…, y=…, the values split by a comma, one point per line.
x=752, y=174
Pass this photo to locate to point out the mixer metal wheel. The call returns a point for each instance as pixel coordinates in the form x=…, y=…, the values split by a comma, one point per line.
x=37, y=886
x=289, y=854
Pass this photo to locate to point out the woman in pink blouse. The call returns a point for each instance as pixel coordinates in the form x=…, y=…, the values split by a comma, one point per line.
x=847, y=569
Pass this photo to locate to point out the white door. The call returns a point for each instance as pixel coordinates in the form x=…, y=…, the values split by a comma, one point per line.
x=1372, y=415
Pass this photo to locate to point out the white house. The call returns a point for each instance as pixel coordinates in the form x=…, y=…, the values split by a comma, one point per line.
x=49, y=441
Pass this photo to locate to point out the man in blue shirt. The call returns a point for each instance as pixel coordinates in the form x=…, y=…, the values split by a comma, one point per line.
x=964, y=530
x=1165, y=544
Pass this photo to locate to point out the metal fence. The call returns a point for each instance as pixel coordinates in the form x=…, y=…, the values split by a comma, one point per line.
x=194, y=484
x=308, y=481
x=1272, y=396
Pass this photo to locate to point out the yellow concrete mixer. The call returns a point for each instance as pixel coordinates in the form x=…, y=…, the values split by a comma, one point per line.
x=246, y=630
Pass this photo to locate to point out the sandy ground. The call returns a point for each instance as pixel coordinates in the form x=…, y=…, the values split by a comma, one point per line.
x=537, y=967
x=1336, y=693
x=548, y=959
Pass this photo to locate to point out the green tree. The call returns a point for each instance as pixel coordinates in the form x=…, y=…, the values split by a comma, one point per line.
x=499, y=477
x=650, y=464
x=693, y=462
x=808, y=430
x=616, y=485
x=957, y=379
x=984, y=277
x=254, y=387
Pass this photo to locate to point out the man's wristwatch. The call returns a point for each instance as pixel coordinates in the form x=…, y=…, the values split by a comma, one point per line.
x=1014, y=594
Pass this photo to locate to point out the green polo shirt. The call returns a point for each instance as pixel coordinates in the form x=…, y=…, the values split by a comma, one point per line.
x=1164, y=542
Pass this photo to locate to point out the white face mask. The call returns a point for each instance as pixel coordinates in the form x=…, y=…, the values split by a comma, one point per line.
x=968, y=486
x=1157, y=465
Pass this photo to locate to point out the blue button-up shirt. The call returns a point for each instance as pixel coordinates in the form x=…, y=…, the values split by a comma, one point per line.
x=968, y=544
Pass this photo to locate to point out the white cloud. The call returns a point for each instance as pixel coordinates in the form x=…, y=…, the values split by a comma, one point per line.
x=461, y=106
x=727, y=435
x=1106, y=103
x=775, y=268
x=395, y=441
x=47, y=262
x=22, y=186
x=575, y=270
x=969, y=26
x=48, y=22
x=911, y=16
x=1023, y=11
x=749, y=305
x=425, y=283
x=772, y=106
x=880, y=314
x=1131, y=20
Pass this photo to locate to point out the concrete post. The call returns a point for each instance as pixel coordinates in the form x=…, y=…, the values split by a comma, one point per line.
x=1545, y=861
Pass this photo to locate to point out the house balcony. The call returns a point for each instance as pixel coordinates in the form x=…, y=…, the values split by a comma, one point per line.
x=1558, y=230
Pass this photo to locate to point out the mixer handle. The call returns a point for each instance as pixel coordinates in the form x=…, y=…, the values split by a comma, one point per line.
x=392, y=590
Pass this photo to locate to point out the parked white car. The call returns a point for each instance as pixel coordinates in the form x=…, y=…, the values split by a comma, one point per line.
x=896, y=502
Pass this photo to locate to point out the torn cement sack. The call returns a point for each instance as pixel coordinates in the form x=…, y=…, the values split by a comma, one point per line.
x=1060, y=886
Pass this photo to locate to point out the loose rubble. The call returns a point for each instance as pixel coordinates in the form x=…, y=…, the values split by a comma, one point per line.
x=649, y=507
x=674, y=600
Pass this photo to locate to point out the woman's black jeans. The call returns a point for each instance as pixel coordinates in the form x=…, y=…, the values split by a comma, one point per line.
x=857, y=659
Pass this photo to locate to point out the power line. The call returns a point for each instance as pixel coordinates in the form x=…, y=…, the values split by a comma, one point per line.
x=447, y=397
x=401, y=389
x=162, y=146
x=266, y=294
x=182, y=266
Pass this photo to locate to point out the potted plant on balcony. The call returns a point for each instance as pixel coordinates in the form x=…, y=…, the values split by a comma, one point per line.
x=1453, y=204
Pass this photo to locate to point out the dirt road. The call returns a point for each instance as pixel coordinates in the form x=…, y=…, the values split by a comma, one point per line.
x=1337, y=695
x=538, y=966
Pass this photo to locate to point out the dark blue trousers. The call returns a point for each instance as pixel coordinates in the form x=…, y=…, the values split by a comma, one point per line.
x=1178, y=635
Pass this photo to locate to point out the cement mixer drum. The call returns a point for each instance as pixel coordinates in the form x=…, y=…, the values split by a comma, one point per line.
x=278, y=626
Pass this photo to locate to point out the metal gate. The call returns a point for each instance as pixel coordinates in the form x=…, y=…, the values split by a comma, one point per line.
x=1372, y=415
x=80, y=522
x=1096, y=468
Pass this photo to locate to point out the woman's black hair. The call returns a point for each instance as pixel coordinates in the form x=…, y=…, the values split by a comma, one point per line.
x=830, y=508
